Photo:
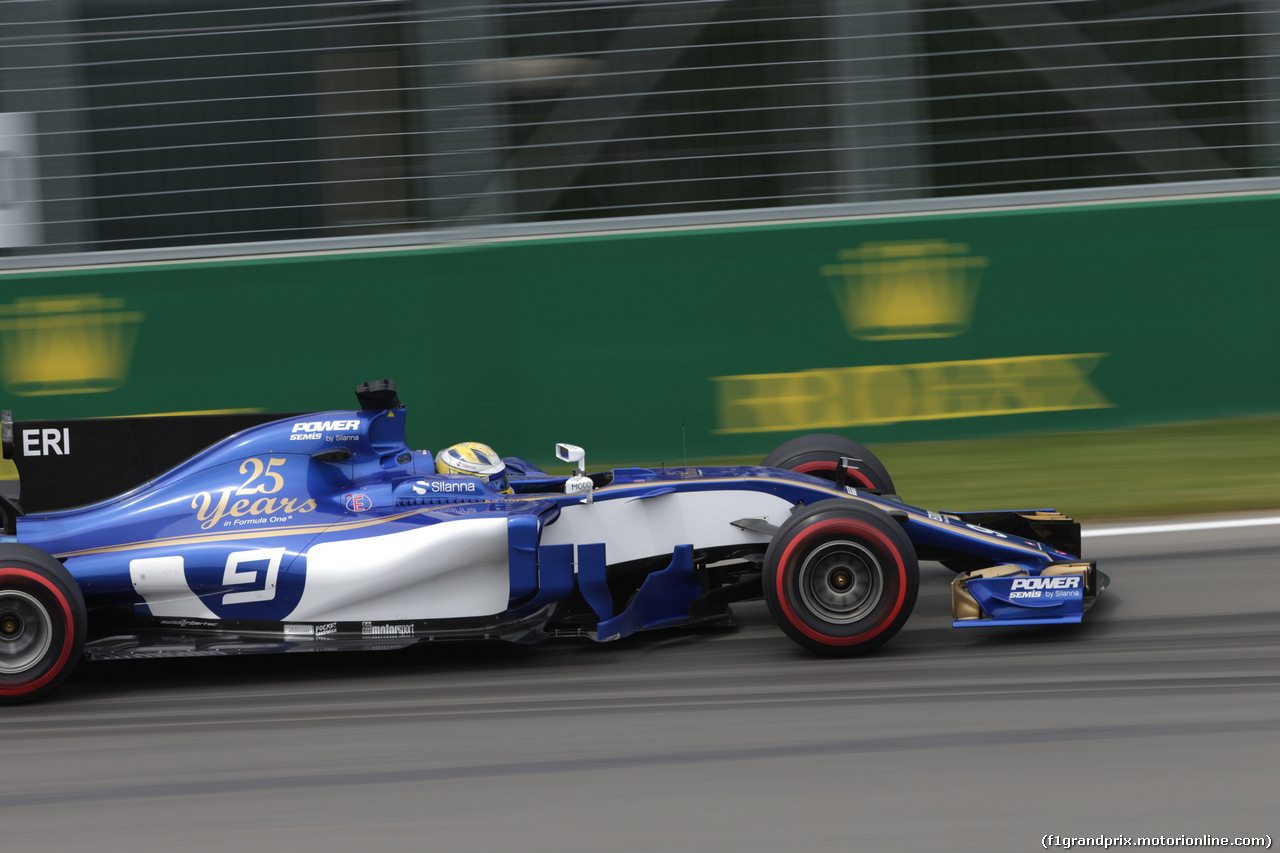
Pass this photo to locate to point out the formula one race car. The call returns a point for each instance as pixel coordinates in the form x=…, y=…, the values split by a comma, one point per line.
x=231, y=534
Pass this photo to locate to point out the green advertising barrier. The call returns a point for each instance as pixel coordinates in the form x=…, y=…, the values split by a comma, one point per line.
x=650, y=347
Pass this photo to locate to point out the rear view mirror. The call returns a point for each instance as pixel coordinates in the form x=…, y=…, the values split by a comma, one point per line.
x=572, y=454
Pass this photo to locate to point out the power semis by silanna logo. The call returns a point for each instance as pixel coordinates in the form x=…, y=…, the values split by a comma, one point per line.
x=1067, y=586
x=304, y=430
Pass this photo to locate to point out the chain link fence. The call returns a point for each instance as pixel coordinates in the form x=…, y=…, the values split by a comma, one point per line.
x=196, y=128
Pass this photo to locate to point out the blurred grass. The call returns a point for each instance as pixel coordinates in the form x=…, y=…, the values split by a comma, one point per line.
x=1184, y=469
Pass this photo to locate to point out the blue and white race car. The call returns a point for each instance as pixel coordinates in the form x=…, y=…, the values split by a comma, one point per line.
x=232, y=534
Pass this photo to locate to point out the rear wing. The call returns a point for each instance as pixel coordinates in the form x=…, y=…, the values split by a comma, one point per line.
x=68, y=463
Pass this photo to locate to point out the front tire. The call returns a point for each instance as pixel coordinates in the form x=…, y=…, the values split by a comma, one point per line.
x=840, y=579
x=42, y=623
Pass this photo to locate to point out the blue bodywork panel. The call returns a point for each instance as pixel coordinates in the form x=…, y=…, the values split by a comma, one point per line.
x=662, y=601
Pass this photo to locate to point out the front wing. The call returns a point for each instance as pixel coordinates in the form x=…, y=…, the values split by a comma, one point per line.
x=1010, y=595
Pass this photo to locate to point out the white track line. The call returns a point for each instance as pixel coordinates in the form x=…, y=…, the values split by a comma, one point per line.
x=1221, y=524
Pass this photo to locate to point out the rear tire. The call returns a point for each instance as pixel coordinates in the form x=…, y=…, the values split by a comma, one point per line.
x=42, y=623
x=820, y=453
x=840, y=579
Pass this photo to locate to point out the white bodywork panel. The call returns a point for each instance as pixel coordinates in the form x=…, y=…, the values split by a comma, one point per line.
x=459, y=569
x=636, y=528
x=452, y=570
x=162, y=583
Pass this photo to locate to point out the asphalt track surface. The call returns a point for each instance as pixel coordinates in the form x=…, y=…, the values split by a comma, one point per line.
x=1160, y=716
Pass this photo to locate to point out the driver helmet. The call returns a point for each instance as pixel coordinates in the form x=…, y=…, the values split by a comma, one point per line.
x=476, y=460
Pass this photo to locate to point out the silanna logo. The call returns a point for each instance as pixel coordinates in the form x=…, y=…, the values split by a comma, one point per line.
x=422, y=486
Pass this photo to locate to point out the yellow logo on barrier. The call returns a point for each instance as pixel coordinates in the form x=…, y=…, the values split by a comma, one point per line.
x=77, y=344
x=887, y=394
x=905, y=290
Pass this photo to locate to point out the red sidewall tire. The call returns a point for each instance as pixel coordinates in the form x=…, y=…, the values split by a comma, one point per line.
x=819, y=454
x=48, y=583
x=864, y=530
x=826, y=469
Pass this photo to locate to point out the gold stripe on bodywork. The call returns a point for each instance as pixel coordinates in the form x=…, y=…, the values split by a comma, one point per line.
x=197, y=538
x=339, y=526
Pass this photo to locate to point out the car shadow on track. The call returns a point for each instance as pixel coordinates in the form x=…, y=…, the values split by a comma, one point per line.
x=480, y=658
